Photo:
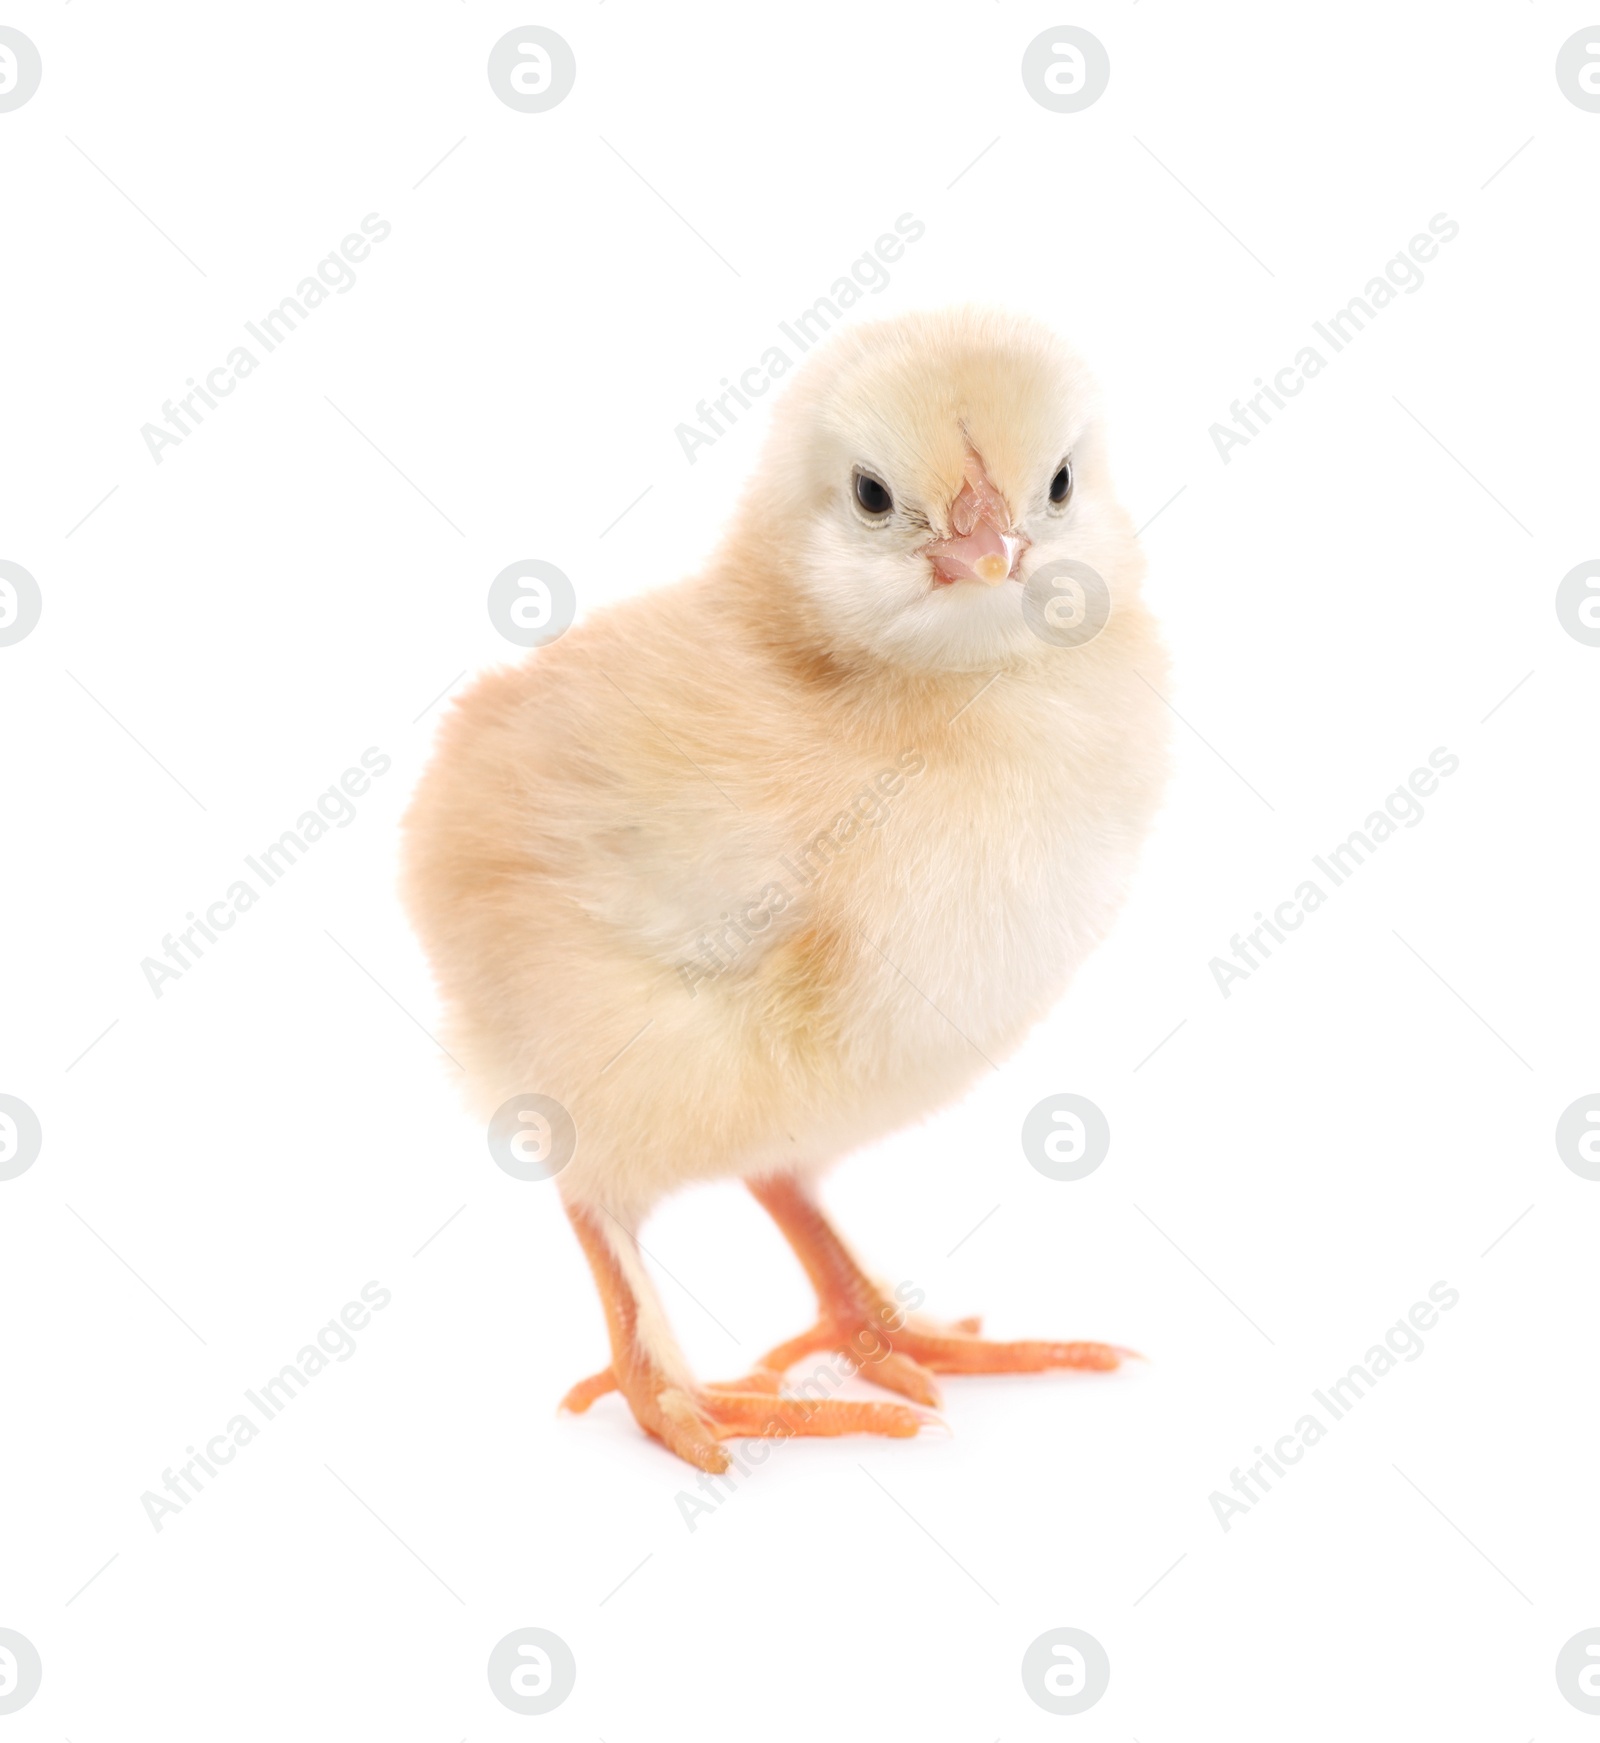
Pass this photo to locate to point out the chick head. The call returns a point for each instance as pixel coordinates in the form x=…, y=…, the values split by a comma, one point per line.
x=920, y=470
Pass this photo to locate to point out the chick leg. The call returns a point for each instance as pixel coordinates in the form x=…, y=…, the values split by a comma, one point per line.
x=892, y=1350
x=648, y=1369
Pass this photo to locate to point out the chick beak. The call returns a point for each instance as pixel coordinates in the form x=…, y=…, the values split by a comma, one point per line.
x=981, y=546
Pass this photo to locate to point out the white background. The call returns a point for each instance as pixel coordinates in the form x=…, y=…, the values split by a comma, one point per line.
x=278, y=1128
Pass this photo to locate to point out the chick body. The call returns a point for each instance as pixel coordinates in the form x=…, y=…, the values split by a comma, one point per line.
x=750, y=871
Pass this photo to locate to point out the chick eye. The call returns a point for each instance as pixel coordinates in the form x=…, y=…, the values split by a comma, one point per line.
x=1061, y=484
x=872, y=495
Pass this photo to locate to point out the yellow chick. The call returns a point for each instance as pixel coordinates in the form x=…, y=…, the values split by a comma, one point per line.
x=754, y=870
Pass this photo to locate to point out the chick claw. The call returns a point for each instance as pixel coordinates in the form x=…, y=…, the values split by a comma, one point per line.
x=904, y=1357
x=691, y=1424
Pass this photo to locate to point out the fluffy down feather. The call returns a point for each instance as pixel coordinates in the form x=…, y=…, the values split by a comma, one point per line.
x=593, y=815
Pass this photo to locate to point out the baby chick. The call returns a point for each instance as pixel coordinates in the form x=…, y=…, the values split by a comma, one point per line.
x=643, y=869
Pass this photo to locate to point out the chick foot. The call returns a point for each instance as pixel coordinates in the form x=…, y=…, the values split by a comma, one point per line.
x=692, y=1422
x=689, y=1419
x=903, y=1355
x=859, y=1323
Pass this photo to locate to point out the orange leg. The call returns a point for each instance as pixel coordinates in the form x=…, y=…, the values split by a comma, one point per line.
x=892, y=1350
x=648, y=1370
